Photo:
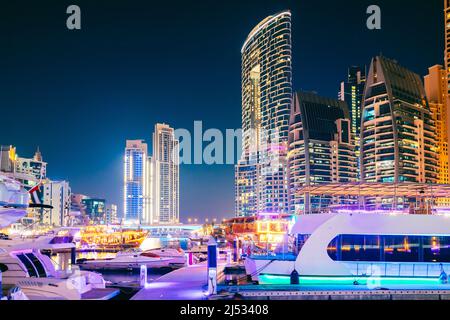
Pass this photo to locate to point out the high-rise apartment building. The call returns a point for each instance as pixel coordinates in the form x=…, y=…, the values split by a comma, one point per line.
x=321, y=148
x=136, y=178
x=436, y=91
x=447, y=61
x=166, y=185
x=398, y=133
x=447, y=44
x=266, y=101
x=152, y=184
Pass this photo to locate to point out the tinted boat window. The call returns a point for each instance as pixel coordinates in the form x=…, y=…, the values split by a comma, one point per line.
x=38, y=265
x=401, y=248
x=436, y=249
x=3, y=267
x=360, y=248
x=30, y=268
x=390, y=248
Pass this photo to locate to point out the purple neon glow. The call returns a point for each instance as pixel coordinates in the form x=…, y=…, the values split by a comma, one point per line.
x=376, y=211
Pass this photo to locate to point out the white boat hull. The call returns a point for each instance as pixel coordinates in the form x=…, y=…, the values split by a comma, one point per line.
x=131, y=264
x=9, y=216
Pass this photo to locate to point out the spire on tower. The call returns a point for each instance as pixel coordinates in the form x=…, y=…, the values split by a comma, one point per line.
x=38, y=155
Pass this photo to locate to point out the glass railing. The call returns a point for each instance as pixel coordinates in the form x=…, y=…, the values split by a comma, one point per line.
x=396, y=269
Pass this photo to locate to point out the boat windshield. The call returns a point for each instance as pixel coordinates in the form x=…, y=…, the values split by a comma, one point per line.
x=33, y=265
x=149, y=254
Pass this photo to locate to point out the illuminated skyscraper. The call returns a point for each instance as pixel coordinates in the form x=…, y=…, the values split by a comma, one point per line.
x=166, y=183
x=436, y=91
x=321, y=148
x=247, y=194
x=352, y=91
x=266, y=101
x=398, y=134
x=447, y=44
x=136, y=190
x=447, y=60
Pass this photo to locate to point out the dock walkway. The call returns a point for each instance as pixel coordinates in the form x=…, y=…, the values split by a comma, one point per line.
x=188, y=283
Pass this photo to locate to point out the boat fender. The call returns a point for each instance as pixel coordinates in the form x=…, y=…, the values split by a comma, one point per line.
x=443, y=278
x=295, y=277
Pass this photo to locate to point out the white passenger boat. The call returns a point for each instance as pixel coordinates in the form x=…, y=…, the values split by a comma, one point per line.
x=361, y=245
x=135, y=258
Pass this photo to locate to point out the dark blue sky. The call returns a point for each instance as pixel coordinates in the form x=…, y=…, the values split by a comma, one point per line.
x=80, y=94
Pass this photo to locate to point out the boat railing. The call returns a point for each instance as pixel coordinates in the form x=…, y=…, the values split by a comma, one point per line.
x=288, y=256
x=397, y=269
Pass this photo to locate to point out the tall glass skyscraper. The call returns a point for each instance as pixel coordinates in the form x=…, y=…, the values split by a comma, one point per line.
x=136, y=193
x=266, y=102
x=352, y=91
x=398, y=134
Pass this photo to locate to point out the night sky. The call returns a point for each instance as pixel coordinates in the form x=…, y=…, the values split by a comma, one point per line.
x=80, y=94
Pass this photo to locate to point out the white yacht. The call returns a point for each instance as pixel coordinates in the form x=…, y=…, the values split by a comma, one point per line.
x=26, y=267
x=13, y=201
x=135, y=258
x=361, y=245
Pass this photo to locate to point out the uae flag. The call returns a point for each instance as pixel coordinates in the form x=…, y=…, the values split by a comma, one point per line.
x=36, y=196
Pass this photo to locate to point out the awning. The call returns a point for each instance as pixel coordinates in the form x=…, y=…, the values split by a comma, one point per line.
x=378, y=189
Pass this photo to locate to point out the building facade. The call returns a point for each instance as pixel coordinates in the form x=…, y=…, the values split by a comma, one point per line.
x=136, y=189
x=247, y=195
x=266, y=101
x=7, y=158
x=111, y=214
x=321, y=148
x=95, y=210
x=31, y=168
x=447, y=59
x=398, y=133
x=166, y=179
x=57, y=194
x=436, y=91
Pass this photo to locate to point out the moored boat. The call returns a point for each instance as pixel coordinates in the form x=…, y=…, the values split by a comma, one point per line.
x=361, y=245
x=135, y=258
x=25, y=266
